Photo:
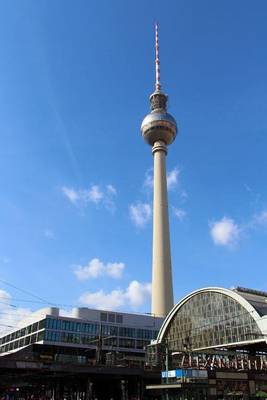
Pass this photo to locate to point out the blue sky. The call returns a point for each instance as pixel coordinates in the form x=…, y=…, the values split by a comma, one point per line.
x=75, y=200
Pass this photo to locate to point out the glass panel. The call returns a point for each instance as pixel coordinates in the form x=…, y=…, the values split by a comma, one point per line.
x=209, y=319
x=111, y=317
x=41, y=324
x=103, y=317
x=127, y=332
x=40, y=336
x=34, y=327
x=119, y=319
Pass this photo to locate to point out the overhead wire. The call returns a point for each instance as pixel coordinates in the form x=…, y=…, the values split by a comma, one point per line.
x=25, y=291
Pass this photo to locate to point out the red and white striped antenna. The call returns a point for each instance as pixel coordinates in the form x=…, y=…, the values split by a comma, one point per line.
x=157, y=62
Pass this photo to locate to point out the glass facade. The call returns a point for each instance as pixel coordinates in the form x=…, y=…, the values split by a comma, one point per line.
x=10, y=342
x=210, y=319
x=88, y=333
x=60, y=330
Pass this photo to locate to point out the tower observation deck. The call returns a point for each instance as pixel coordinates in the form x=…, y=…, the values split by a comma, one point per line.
x=159, y=129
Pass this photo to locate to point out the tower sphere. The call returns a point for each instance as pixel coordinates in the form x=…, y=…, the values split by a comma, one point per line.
x=158, y=124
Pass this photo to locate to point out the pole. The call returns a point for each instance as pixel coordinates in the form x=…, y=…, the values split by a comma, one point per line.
x=167, y=367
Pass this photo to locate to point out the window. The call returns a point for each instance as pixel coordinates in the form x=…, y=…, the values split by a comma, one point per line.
x=119, y=319
x=66, y=325
x=128, y=332
x=40, y=336
x=41, y=324
x=103, y=317
x=111, y=317
x=35, y=327
x=144, y=334
x=48, y=323
x=50, y=336
x=33, y=338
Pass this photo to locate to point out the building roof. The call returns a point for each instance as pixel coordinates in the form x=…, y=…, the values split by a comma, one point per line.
x=217, y=317
x=257, y=298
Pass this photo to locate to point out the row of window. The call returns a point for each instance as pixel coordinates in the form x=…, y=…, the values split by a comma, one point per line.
x=110, y=317
x=74, y=338
x=66, y=325
x=94, y=329
x=23, y=332
x=66, y=337
x=36, y=337
x=80, y=327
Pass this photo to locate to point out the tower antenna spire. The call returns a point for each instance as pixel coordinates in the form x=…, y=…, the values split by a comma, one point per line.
x=157, y=62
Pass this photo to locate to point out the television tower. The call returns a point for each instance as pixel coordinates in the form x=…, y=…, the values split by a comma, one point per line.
x=159, y=130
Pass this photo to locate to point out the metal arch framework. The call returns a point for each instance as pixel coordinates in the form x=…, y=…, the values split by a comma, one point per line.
x=230, y=293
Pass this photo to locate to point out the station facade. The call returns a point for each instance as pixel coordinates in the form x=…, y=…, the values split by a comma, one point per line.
x=220, y=331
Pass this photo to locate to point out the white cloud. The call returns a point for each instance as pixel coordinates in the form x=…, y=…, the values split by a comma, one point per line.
x=138, y=293
x=111, y=189
x=225, y=232
x=134, y=296
x=95, y=194
x=115, y=270
x=179, y=213
x=101, y=300
x=261, y=219
x=49, y=234
x=71, y=194
x=10, y=315
x=4, y=296
x=96, y=268
x=149, y=178
x=172, y=178
x=140, y=213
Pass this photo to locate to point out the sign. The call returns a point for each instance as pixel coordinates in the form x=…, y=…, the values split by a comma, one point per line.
x=187, y=373
x=244, y=362
x=170, y=374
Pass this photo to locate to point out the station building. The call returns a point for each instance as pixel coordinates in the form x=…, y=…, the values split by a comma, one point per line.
x=220, y=331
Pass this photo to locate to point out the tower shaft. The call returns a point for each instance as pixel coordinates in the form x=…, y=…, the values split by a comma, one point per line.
x=162, y=290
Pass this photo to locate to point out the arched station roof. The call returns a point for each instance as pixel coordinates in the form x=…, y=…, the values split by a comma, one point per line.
x=216, y=317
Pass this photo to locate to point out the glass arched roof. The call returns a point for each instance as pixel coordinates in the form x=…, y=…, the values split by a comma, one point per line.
x=211, y=317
